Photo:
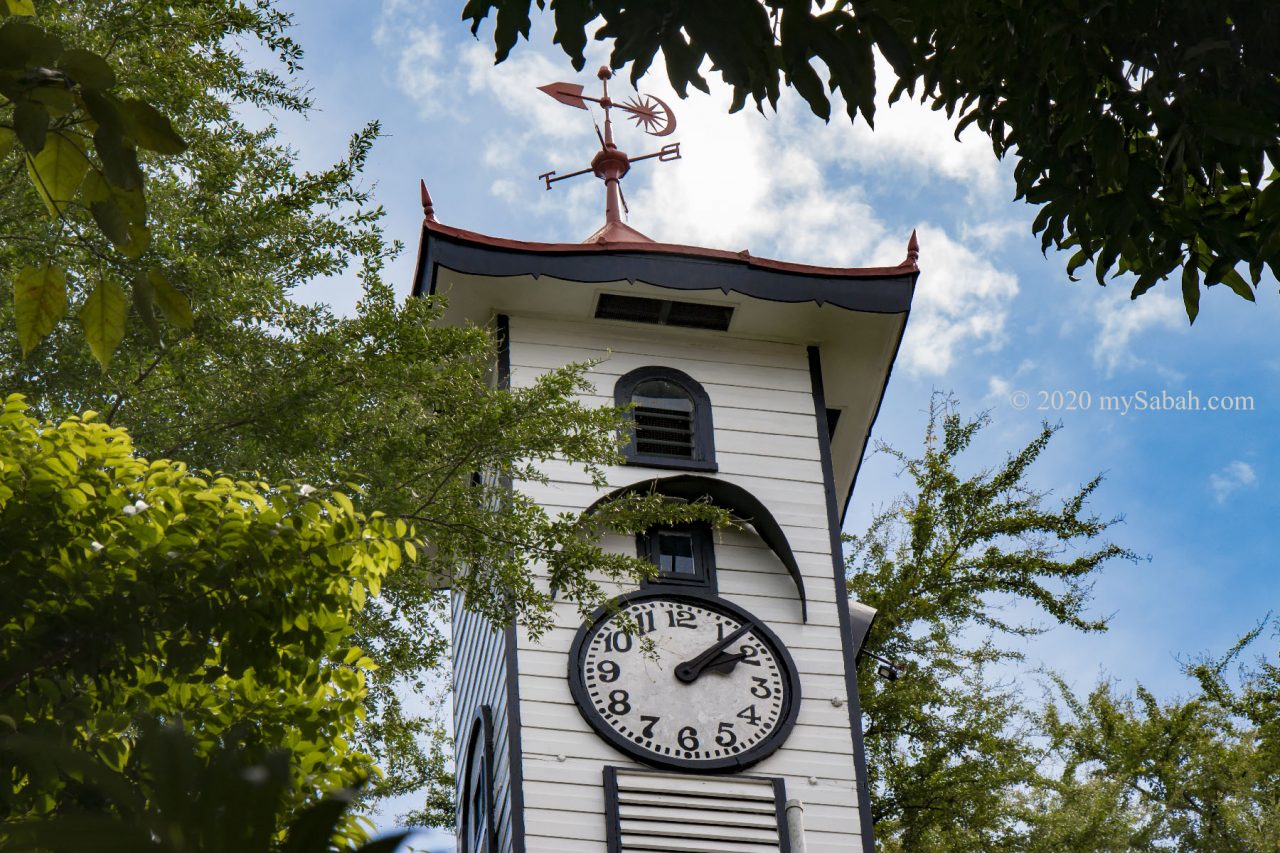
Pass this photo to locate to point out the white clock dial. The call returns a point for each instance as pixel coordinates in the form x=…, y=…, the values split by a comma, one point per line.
x=697, y=684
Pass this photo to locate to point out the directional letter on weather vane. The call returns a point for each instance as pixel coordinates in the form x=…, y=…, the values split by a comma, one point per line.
x=610, y=164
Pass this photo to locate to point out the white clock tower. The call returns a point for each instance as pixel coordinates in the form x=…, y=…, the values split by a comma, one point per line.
x=755, y=384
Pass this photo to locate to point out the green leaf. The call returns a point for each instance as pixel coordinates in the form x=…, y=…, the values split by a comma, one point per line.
x=22, y=8
x=103, y=317
x=39, y=301
x=144, y=303
x=1191, y=288
x=31, y=121
x=1238, y=285
x=173, y=303
x=139, y=240
x=111, y=220
x=87, y=68
x=151, y=129
x=57, y=172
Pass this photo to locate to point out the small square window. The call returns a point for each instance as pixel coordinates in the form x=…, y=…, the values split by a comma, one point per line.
x=683, y=555
x=675, y=553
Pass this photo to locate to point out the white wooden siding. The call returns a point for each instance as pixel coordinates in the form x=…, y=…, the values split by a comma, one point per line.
x=766, y=441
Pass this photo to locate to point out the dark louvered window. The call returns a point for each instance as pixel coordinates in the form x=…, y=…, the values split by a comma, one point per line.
x=670, y=419
x=664, y=419
x=664, y=312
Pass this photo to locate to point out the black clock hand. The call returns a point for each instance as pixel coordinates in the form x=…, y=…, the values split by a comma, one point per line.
x=689, y=671
x=724, y=663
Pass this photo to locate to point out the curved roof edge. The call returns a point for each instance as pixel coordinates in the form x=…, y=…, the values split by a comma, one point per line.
x=730, y=496
x=886, y=290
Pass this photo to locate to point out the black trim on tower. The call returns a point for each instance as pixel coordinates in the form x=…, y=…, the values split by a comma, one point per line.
x=692, y=487
x=886, y=293
x=515, y=753
x=842, y=606
x=780, y=809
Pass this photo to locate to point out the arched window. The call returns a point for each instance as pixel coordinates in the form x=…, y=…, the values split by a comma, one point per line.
x=670, y=421
x=475, y=796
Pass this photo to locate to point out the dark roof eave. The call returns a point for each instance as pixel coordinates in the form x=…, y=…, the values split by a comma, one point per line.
x=884, y=290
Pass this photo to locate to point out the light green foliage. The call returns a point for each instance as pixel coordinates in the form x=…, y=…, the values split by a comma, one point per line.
x=139, y=587
x=79, y=142
x=948, y=748
x=1146, y=132
x=1199, y=773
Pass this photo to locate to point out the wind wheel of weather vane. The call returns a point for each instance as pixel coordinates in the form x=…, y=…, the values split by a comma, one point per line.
x=650, y=114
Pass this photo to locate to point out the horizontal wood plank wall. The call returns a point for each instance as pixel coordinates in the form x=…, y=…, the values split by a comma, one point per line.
x=480, y=678
x=766, y=442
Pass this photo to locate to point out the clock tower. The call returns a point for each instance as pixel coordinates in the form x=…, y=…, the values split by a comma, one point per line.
x=715, y=707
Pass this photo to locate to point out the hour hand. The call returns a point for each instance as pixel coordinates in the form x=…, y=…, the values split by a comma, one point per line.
x=689, y=671
x=724, y=663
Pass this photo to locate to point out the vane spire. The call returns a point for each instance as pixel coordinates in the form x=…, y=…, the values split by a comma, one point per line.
x=611, y=163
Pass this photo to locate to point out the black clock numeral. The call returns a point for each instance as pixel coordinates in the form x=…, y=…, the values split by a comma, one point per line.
x=749, y=714
x=682, y=619
x=644, y=622
x=749, y=655
x=688, y=738
x=722, y=629
x=619, y=702
x=726, y=737
x=649, y=722
x=617, y=641
x=761, y=687
x=609, y=671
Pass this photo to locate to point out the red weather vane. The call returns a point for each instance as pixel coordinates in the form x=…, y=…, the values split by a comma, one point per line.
x=610, y=163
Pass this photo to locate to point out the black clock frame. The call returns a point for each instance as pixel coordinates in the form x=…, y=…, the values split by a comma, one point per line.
x=731, y=764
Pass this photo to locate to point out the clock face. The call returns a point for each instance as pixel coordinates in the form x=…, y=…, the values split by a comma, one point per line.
x=699, y=684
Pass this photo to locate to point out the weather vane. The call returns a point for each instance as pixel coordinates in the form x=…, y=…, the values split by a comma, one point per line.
x=610, y=163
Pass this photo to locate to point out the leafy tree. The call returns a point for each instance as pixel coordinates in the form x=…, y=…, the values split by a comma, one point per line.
x=79, y=139
x=1199, y=773
x=1146, y=131
x=137, y=587
x=277, y=390
x=949, y=751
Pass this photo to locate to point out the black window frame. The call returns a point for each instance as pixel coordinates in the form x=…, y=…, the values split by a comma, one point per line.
x=704, y=447
x=479, y=762
x=704, y=557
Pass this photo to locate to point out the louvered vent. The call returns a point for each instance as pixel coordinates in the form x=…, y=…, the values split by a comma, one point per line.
x=670, y=813
x=664, y=431
x=663, y=312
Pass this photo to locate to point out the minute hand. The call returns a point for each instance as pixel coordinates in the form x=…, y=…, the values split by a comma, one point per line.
x=689, y=671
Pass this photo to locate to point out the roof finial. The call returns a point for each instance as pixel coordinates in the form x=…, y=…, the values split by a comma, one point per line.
x=913, y=248
x=428, y=209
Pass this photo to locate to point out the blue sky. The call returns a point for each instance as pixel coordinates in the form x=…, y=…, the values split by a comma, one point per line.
x=994, y=322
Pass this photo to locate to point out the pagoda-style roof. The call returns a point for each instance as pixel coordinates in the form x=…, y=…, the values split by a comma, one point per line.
x=880, y=290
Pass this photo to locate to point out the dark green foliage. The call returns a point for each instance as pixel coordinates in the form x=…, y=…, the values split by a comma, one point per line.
x=176, y=799
x=1145, y=131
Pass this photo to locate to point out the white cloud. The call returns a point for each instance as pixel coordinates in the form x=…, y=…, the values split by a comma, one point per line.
x=998, y=389
x=1235, y=476
x=961, y=303
x=1122, y=319
x=781, y=185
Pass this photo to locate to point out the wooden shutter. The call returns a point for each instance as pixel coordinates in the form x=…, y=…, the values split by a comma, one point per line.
x=651, y=812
